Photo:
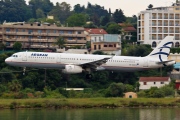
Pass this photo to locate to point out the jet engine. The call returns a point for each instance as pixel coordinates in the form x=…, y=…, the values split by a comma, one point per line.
x=72, y=69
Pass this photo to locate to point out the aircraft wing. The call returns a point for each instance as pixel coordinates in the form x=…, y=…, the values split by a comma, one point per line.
x=94, y=64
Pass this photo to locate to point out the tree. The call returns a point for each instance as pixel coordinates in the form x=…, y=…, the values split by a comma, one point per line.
x=14, y=86
x=8, y=76
x=60, y=41
x=78, y=8
x=113, y=28
x=150, y=6
x=45, y=5
x=118, y=16
x=2, y=46
x=134, y=50
x=110, y=11
x=168, y=90
x=96, y=12
x=14, y=10
x=158, y=94
x=3, y=56
x=90, y=25
x=99, y=52
x=76, y=20
x=40, y=13
x=105, y=20
x=115, y=90
x=61, y=11
x=129, y=88
x=17, y=46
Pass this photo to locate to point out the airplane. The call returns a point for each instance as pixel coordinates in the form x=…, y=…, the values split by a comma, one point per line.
x=78, y=63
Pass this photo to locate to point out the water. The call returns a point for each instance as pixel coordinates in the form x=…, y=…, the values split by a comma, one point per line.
x=92, y=114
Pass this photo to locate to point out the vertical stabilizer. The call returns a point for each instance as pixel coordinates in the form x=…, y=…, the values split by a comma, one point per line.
x=163, y=49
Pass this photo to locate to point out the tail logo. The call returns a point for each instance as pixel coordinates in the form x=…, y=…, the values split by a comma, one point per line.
x=163, y=53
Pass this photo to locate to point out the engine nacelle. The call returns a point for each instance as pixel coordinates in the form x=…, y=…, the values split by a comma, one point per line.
x=72, y=69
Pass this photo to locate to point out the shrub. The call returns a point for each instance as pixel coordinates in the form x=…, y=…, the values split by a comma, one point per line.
x=38, y=94
x=115, y=90
x=142, y=94
x=20, y=95
x=158, y=94
x=168, y=91
x=7, y=95
x=28, y=90
x=3, y=88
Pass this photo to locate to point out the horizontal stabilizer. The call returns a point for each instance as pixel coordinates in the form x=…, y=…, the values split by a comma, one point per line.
x=163, y=62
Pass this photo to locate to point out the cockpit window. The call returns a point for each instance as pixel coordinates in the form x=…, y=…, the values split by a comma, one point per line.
x=14, y=55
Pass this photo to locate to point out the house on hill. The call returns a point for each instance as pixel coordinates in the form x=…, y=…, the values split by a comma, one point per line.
x=101, y=40
x=94, y=34
x=148, y=82
x=127, y=30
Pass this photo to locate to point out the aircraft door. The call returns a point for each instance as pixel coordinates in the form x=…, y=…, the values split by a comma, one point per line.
x=58, y=58
x=145, y=63
x=24, y=56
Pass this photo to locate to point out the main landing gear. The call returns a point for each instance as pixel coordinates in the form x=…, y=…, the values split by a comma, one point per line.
x=24, y=70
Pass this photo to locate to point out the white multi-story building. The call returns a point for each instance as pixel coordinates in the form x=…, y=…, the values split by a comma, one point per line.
x=156, y=23
x=148, y=82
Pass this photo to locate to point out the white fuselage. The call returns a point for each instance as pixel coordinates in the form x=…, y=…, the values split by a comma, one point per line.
x=59, y=60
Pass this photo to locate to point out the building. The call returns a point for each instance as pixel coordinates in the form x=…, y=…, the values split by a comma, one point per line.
x=127, y=31
x=177, y=84
x=148, y=82
x=130, y=95
x=76, y=51
x=154, y=24
x=94, y=33
x=100, y=40
x=109, y=44
x=74, y=89
x=40, y=36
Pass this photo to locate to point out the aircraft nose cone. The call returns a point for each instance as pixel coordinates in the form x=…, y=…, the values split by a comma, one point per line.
x=7, y=61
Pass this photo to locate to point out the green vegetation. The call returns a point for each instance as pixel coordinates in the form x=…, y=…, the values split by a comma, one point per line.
x=92, y=16
x=60, y=42
x=17, y=46
x=88, y=103
x=175, y=50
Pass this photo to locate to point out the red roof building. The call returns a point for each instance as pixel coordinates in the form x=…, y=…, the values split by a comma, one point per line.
x=127, y=27
x=148, y=82
x=127, y=30
x=177, y=84
x=95, y=31
x=101, y=40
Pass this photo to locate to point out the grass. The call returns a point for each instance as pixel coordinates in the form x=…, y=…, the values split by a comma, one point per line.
x=88, y=103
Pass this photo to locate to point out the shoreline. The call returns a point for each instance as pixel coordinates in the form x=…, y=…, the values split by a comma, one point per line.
x=74, y=103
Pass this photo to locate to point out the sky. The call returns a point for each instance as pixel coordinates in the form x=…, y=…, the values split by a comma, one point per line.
x=129, y=7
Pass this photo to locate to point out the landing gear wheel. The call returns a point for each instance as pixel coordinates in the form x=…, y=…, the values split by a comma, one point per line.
x=24, y=70
x=89, y=76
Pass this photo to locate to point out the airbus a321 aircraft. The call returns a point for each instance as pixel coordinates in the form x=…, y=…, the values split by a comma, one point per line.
x=77, y=63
